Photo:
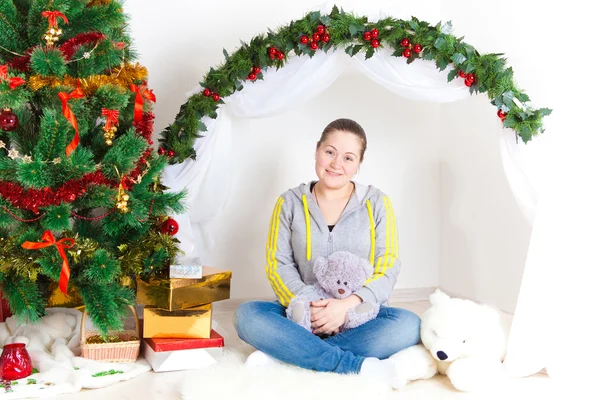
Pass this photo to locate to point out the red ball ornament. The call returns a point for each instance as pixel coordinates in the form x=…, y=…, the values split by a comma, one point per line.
x=304, y=39
x=405, y=42
x=406, y=53
x=314, y=45
x=216, y=97
x=316, y=37
x=252, y=76
x=272, y=50
x=71, y=197
x=367, y=36
x=470, y=78
x=8, y=120
x=468, y=83
x=161, y=151
x=272, y=56
x=320, y=29
x=170, y=153
x=374, y=33
x=280, y=55
x=417, y=48
x=501, y=114
x=375, y=43
x=206, y=92
x=326, y=38
x=170, y=226
x=461, y=73
x=256, y=70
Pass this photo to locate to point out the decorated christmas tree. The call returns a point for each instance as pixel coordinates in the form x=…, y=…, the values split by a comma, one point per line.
x=82, y=209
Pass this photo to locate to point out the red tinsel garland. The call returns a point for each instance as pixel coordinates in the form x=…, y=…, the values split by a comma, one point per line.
x=68, y=48
x=145, y=126
x=34, y=199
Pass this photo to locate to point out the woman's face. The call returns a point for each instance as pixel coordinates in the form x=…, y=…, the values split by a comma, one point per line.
x=338, y=159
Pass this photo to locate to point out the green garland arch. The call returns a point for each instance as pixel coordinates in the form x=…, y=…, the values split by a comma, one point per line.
x=344, y=30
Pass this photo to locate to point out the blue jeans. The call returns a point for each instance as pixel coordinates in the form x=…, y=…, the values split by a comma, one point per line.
x=263, y=325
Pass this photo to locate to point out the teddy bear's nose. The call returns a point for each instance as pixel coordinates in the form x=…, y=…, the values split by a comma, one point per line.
x=341, y=291
x=441, y=355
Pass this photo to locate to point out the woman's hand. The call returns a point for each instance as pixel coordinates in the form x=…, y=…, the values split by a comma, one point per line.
x=328, y=315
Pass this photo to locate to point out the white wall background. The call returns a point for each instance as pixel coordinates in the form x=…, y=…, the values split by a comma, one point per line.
x=458, y=223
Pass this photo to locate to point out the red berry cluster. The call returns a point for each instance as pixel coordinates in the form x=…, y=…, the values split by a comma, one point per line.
x=274, y=52
x=469, y=78
x=208, y=93
x=501, y=114
x=409, y=47
x=319, y=35
x=254, y=73
x=168, y=153
x=372, y=36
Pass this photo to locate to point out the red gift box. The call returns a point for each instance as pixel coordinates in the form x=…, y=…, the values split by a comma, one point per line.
x=159, y=344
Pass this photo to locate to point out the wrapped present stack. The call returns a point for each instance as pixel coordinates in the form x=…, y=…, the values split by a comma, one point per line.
x=177, y=317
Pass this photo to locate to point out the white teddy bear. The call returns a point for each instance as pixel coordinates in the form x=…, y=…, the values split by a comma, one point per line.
x=461, y=339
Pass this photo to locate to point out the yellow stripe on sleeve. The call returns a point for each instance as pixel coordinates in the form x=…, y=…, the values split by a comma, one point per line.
x=288, y=295
x=391, y=243
x=270, y=256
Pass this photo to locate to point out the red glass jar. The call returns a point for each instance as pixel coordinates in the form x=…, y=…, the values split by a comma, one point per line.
x=15, y=362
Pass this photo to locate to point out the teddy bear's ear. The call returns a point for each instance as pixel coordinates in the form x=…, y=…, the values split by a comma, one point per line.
x=438, y=297
x=319, y=268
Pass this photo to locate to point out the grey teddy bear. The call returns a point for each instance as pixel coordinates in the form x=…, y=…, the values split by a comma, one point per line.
x=338, y=276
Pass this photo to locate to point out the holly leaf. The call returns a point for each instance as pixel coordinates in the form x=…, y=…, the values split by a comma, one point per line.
x=526, y=133
x=314, y=17
x=413, y=24
x=442, y=64
x=507, y=97
x=452, y=74
x=353, y=29
x=439, y=43
x=458, y=58
x=544, y=111
x=469, y=68
x=370, y=52
x=511, y=121
x=397, y=53
x=325, y=20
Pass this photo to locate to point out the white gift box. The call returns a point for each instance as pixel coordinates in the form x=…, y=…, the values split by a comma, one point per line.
x=187, y=358
x=185, y=271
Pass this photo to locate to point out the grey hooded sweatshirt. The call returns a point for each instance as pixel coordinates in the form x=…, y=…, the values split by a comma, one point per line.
x=299, y=234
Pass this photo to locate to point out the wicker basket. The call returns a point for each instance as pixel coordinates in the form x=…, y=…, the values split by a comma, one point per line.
x=126, y=351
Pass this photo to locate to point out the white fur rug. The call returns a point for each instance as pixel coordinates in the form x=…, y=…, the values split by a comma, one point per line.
x=230, y=379
x=53, y=345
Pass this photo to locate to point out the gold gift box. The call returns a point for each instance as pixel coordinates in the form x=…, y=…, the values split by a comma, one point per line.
x=179, y=293
x=190, y=323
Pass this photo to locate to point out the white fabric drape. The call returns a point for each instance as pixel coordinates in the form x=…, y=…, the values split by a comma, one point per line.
x=208, y=179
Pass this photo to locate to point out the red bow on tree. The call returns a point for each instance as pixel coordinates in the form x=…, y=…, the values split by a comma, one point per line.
x=14, y=82
x=49, y=240
x=141, y=92
x=64, y=97
x=52, y=16
x=112, y=117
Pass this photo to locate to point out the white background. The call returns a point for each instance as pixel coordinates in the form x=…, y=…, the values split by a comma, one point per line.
x=459, y=226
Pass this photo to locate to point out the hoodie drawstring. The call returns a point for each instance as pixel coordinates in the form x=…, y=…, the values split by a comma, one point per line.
x=307, y=217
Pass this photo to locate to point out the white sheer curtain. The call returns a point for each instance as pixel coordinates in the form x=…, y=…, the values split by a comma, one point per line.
x=208, y=179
